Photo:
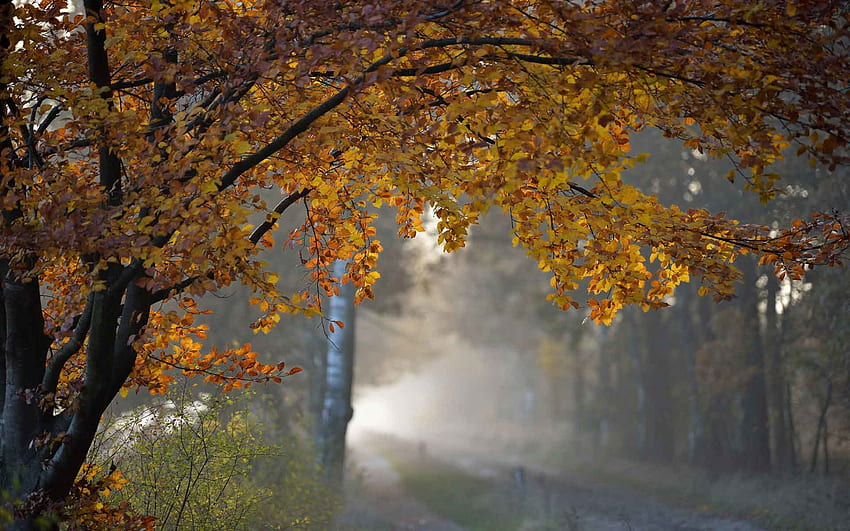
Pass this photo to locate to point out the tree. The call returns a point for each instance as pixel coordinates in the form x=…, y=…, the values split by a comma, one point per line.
x=755, y=434
x=339, y=377
x=134, y=141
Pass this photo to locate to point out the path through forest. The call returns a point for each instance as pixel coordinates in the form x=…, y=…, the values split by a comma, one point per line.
x=379, y=500
x=520, y=498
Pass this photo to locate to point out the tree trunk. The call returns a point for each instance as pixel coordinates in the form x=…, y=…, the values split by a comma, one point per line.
x=41, y=451
x=658, y=385
x=821, y=432
x=754, y=419
x=601, y=428
x=25, y=350
x=339, y=373
x=689, y=345
x=711, y=449
x=776, y=380
x=825, y=446
x=635, y=355
x=793, y=443
x=579, y=406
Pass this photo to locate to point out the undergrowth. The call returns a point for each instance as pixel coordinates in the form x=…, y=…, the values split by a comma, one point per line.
x=775, y=502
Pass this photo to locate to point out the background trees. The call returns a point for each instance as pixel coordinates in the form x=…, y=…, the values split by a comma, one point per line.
x=749, y=384
x=136, y=141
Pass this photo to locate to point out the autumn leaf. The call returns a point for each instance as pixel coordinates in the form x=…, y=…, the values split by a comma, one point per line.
x=139, y=149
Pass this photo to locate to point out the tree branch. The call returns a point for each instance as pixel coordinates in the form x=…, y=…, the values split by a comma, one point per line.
x=48, y=119
x=74, y=344
x=434, y=69
x=98, y=65
x=549, y=60
x=323, y=108
x=134, y=318
x=281, y=141
x=164, y=293
x=669, y=75
x=582, y=190
x=285, y=203
x=123, y=85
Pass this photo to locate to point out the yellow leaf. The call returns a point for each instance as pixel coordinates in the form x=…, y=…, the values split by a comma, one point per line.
x=241, y=146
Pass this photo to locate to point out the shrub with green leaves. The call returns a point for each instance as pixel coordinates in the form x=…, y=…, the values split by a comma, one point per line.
x=204, y=463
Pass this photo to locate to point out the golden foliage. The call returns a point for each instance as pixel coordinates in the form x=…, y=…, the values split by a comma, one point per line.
x=525, y=106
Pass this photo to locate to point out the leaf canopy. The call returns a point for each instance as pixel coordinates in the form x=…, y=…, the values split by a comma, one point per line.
x=138, y=141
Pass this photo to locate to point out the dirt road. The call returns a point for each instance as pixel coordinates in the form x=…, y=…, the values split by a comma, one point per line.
x=546, y=501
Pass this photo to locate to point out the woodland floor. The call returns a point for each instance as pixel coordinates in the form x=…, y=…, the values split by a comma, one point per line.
x=398, y=486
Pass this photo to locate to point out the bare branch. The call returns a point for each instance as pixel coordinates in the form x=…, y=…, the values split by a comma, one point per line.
x=164, y=293
x=285, y=203
x=48, y=119
x=434, y=69
x=582, y=190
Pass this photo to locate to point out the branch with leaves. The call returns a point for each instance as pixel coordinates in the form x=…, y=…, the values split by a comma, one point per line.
x=137, y=142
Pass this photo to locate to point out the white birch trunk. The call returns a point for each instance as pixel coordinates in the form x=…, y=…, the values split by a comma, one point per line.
x=339, y=372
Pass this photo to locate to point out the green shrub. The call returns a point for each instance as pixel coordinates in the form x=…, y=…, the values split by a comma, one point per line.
x=204, y=463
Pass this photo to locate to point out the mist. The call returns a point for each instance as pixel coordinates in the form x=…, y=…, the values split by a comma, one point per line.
x=475, y=369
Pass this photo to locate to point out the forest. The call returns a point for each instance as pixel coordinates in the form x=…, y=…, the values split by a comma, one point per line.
x=501, y=264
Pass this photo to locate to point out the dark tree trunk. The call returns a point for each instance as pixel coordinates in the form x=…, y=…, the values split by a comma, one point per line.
x=660, y=438
x=602, y=425
x=710, y=450
x=637, y=340
x=41, y=451
x=579, y=406
x=776, y=380
x=755, y=435
x=793, y=445
x=688, y=342
x=822, y=433
x=25, y=349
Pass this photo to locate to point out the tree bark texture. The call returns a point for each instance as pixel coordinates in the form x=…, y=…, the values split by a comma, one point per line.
x=43, y=447
x=339, y=375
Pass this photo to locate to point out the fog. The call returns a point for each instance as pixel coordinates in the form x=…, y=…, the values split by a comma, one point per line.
x=456, y=398
x=474, y=367
x=459, y=365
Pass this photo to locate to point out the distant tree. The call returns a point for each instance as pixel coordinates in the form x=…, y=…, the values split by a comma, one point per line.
x=818, y=352
x=134, y=140
x=336, y=411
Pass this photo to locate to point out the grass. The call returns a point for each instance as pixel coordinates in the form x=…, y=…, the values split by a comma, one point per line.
x=454, y=493
x=472, y=502
x=785, y=503
x=776, y=503
x=483, y=503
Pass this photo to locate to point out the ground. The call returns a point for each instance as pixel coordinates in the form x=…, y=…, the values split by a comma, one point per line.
x=402, y=485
